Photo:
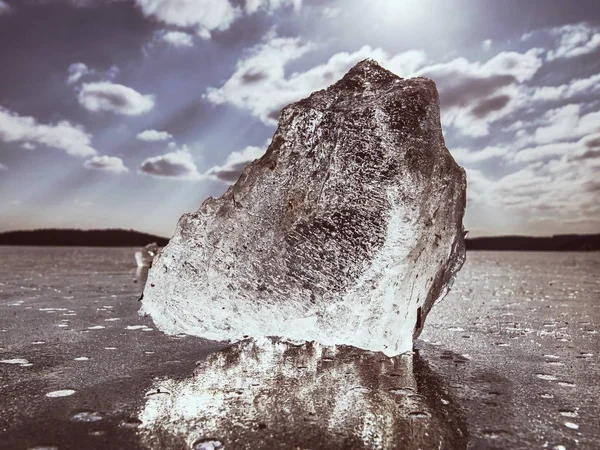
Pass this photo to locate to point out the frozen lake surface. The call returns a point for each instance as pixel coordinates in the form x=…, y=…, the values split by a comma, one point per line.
x=508, y=360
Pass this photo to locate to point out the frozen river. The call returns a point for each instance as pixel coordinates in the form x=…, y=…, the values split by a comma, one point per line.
x=508, y=360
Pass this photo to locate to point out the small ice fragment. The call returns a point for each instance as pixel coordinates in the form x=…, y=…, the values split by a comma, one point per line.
x=207, y=444
x=144, y=257
x=543, y=376
x=86, y=416
x=38, y=342
x=112, y=319
x=135, y=327
x=61, y=393
x=96, y=327
x=81, y=358
x=572, y=425
x=567, y=413
x=566, y=383
x=551, y=356
x=14, y=361
x=110, y=348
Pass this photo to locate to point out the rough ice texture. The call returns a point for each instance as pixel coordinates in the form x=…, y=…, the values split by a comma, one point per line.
x=346, y=231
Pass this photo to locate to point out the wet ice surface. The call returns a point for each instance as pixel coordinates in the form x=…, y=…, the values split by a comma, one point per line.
x=533, y=319
x=508, y=360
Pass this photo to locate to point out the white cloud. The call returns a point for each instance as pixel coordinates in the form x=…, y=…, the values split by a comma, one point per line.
x=465, y=156
x=207, y=16
x=63, y=135
x=236, y=161
x=544, y=151
x=177, y=39
x=588, y=147
x=261, y=86
x=566, y=123
x=154, y=136
x=486, y=45
x=107, y=163
x=581, y=87
x=3, y=167
x=178, y=164
x=474, y=95
x=270, y=6
x=107, y=96
x=28, y=146
x=574, y=40
x=4, y=8
x=77, y=71
x=203, y=14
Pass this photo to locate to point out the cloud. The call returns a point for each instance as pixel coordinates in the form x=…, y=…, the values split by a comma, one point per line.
x=574, y=40
x=270, y=6
x=4, y=8
x=207, y=16
x=544, y=151
x=473, y=95
x=177, y=39
x=107, y=163
x=236, y=161
x=465, y=156
x=591, y=141
x=203, y=14
x=581, y=87
x=63, y=135
x=178, y=164
x=566, y=123
x=3, y=167
x=588, y=147
x=261, y=86
x=154, y=136
x=486, y=45
x=107, y=96
x=77, y=71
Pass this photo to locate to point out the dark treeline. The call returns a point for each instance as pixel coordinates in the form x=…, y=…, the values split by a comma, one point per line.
x=556, y=243
x=81, y=238
x=130, y=238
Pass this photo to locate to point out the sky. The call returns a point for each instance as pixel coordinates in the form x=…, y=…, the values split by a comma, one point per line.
x=129, y=113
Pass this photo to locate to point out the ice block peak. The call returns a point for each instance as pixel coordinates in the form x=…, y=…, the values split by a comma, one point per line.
x=346, y=231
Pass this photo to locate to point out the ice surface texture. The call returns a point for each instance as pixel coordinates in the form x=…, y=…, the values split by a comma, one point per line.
x=346, y=231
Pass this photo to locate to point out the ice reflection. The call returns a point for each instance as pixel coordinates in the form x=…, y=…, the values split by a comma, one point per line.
x=271, y=394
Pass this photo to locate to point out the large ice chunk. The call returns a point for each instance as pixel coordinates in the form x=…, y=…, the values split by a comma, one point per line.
x=346, y=231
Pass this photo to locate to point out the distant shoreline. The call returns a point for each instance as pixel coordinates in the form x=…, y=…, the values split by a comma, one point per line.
x=131, y=238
